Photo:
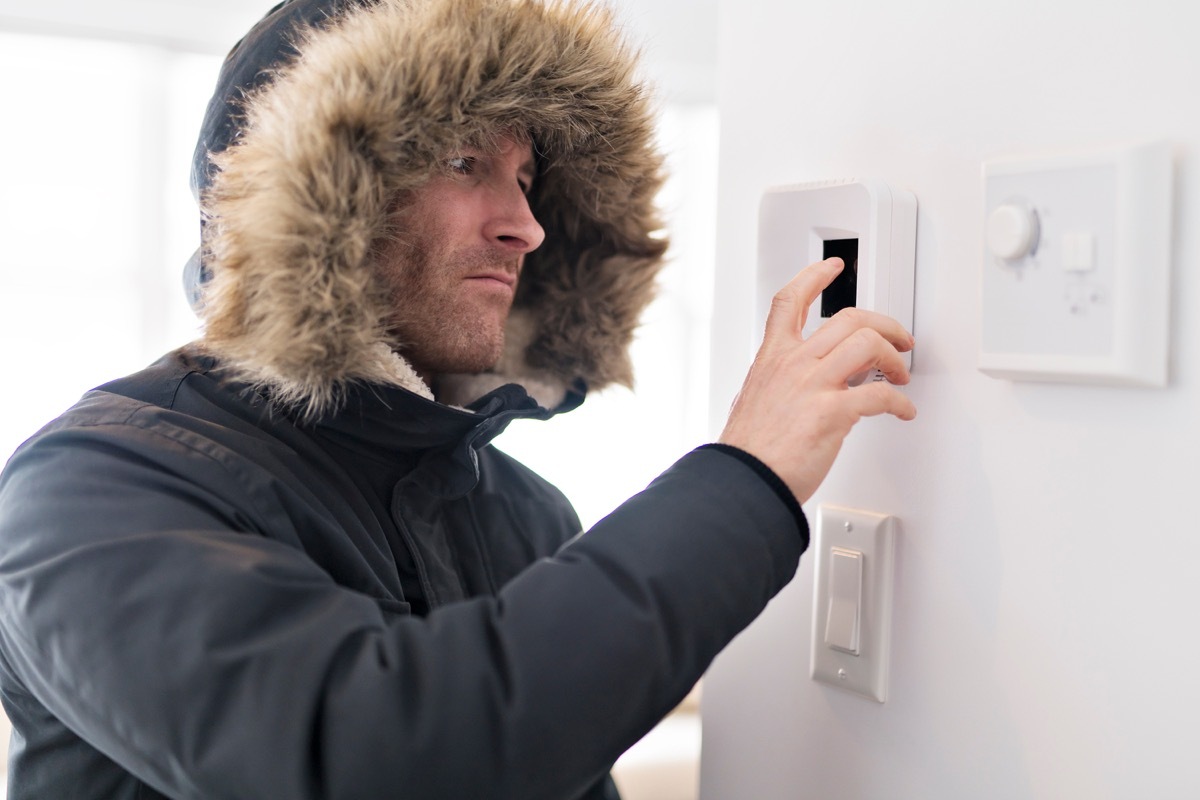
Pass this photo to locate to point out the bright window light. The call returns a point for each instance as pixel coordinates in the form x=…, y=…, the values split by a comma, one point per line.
x=96, y=218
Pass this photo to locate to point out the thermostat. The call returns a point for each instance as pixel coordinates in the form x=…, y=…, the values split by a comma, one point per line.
x=1075, y=282
x=870, y=225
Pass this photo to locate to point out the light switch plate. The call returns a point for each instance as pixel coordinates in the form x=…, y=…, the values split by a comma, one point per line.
x=842, y=531
x=1075, y=279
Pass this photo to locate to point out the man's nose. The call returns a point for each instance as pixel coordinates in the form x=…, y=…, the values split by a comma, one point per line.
x=513, y=225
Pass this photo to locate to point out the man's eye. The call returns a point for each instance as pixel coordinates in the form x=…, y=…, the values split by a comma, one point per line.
x=463, y=165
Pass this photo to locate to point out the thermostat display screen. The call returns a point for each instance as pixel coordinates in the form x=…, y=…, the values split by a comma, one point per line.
x=843, y=292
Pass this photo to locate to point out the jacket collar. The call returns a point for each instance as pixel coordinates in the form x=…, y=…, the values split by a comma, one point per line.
x=439, y=442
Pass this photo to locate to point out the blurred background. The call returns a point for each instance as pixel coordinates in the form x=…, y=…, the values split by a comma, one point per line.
x=100, y=106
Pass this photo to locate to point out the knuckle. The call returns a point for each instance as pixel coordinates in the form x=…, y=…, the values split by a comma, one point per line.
x=780, y=303
x=866, y=337
x=785, y=312
x=785, y=297
x=852, y=315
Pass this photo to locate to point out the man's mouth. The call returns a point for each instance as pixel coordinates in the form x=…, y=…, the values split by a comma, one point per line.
x=503, y=277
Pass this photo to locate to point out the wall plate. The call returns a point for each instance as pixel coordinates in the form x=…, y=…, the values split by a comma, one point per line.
x=1075, y=281
x=851, y=639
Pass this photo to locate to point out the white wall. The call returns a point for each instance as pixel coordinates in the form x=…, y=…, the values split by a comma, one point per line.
x=1047, y=585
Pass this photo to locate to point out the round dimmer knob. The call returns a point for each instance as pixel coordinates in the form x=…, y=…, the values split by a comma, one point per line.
x=1012, y=231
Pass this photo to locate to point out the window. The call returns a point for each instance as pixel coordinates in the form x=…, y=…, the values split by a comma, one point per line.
x=96, y=218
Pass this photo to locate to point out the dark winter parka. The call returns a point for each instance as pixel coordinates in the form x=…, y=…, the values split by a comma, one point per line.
x=273, y=564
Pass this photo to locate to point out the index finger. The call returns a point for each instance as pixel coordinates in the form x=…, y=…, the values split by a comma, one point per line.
x=848, y=320
x=789, y=307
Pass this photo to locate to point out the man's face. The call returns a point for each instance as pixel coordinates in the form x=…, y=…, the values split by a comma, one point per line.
x=453, y=265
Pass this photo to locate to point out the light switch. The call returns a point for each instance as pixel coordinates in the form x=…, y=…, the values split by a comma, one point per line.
x=852, y=605
x=1079, y=252
x=1075, y=280
x=845, y=600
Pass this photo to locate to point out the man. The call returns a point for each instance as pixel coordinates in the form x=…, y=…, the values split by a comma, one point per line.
x=284, y=561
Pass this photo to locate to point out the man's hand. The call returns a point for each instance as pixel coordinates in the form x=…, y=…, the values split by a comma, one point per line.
x=796, y=405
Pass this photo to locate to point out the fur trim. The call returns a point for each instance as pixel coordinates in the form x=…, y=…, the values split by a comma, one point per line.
x=368, y=109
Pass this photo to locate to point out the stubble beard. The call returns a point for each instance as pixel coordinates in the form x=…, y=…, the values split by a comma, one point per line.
x=439, y=324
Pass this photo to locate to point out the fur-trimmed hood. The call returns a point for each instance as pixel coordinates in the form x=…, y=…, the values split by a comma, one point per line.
x=353, y=103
